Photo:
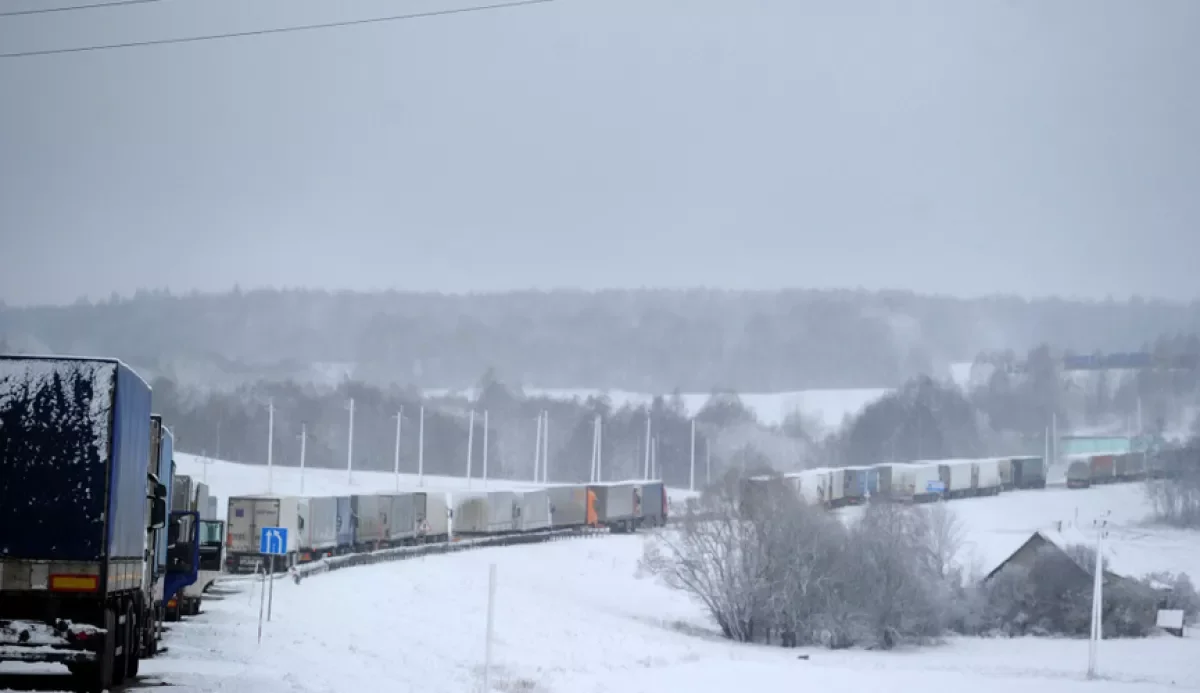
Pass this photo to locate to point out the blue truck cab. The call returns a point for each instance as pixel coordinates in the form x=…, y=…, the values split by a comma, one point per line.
x=183, y=559
x=78, y=511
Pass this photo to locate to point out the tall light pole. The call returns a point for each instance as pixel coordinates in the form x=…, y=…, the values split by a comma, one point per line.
x=599, y=448
x=545, y=446
x=646, y=466
x=396, y=462
x=537, y=449
x=592, y=477
x=707, y=461
x=303, y=450
x=270, y=441
x=421, y=448
x=350, y=447
x=485, y=447
x=692, y=471
x=470, y=445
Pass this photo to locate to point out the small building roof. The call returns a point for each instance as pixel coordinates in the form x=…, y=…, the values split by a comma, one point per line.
x=1060, y=538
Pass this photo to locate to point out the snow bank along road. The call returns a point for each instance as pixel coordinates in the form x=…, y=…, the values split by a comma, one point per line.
x=576, y=616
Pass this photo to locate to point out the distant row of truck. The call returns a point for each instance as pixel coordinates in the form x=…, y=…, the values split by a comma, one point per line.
x=931, y=480
x=100, y=539
x=916, y=482
x=1085, y=470
x=322, y=526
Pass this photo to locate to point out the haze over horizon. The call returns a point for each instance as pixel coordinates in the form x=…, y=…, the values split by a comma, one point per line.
x=965, y=149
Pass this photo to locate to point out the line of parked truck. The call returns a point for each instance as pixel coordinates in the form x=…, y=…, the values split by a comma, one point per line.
x=100, y=540
x=323, y=526
x=1085, y=470
x=930, y=480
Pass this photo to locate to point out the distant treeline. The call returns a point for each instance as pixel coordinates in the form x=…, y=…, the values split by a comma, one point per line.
x=638, y=340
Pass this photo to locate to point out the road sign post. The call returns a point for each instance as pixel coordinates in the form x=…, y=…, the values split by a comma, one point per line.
x=271, y=589
x=272, y=542
x=261, y=599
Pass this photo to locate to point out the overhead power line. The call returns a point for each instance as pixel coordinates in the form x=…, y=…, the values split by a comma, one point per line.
x=73, y=8
x=279, y=30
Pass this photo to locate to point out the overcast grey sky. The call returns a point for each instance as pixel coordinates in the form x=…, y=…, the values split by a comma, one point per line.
x=953, y=146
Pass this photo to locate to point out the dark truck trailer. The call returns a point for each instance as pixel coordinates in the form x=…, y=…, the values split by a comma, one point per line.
x=78, y=507
x=654, y=504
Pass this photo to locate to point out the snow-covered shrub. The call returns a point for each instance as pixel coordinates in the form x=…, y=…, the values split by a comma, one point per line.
x=1176, y=496
x=770, y=568
x=1180, y=594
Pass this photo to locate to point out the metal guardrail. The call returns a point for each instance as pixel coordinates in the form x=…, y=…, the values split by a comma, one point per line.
x=402, y=553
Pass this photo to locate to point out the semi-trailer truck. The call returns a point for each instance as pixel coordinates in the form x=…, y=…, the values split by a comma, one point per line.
x=196, y=548
x=78, y=509
x=202, y=542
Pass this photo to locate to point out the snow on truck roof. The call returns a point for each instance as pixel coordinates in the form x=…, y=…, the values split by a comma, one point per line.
x=74, y=359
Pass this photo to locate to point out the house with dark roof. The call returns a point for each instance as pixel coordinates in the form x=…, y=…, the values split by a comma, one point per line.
x=1059, y=541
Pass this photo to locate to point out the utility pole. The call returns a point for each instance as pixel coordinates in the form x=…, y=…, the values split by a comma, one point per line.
x=1097, y=633
x=396, y=461
x=646, y=464
x=707, y=461
x=270, y=440
x=421, y=449
x=350, y=447
x=545, y=446
x=470, y=445
x=485, y=447
x=303, y=449
x=205, y=460
x=599, y=448
x=692, y=472
x=593, y=478
x=537, y=449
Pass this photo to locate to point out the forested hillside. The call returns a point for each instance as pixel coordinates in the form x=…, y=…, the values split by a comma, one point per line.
x=649, y=340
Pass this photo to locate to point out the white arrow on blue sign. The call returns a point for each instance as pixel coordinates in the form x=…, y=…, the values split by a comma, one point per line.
x=273, y=541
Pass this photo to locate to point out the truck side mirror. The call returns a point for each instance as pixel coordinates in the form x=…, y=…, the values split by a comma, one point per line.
x=158, y=513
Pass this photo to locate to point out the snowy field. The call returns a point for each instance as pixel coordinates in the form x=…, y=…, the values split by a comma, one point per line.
x=577, y=616
x=830, y=407
x=995, y=527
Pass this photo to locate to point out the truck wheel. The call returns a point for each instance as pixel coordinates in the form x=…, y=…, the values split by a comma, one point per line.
x=152, y=632
x=133, y=653
x=97, y=676
x=120, y=666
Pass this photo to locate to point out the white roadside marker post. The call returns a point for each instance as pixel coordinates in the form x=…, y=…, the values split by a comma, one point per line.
x=491, y=611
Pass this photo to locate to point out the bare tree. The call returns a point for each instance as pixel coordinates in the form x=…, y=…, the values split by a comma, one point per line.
x=718, y=560
x=770, y=567
x=945, y=535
